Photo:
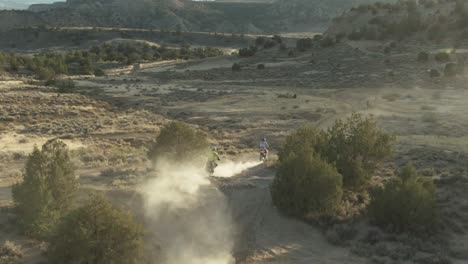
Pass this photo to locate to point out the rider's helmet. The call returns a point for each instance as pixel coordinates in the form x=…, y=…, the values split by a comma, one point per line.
x=264, y=139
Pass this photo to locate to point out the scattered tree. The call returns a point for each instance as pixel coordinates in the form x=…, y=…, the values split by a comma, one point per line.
x=451, y=70
x=179, y=142
x=304, y=44
x=236, y=67
x=442, y=57
x=47, y=189
x=423, y=56
x=306, y=186
x=405, y=204
x=327, y=42
x=357, y=146
x=97, y=233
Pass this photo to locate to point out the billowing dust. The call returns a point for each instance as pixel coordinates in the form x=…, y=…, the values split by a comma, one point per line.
x=190, y=218
x=231, y=168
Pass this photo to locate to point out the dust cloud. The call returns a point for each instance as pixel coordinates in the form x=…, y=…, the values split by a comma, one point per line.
x=190, y=219
x=231, y=168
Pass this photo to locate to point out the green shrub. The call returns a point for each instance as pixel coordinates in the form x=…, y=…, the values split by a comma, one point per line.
x=357, y=146
x=260, y=41
x=304, y=44
x=355, y=35
x=442, y=57
x=179, y=142
x=433, y=73
x=304, y=139
x=99, y=72
x=97, y=233
x=405, y=204
x=247, y=52
x=47, y=189
x=318, y=37
x=64, y=86
x=327, y=42
x=423, y=56
x=269, y=44
x=236, y=67
x=44, y=73
x=306, y=186
x=277, y=38
x=283, y=47
x=451, y=70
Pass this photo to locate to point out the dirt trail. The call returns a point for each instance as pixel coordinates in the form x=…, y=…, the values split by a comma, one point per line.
x=266, y=236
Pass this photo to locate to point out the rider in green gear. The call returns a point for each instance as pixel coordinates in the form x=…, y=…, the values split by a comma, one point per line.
x=213, y=160
x=214, y=155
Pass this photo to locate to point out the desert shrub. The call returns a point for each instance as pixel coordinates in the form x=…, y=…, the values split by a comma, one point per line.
x=317, y=37
x=429, y=117
x=327, y=42
x=306, y=186
x=433, y=73
x=99, y=72
x=304, y=44
x=355, y=35
x=341, y=234
x=261, y=66
x=179, y=142
x=48, y=186
x=391, y=97
x=423, y=56
x=405, y=204
x=370, y=33
x=236, y=67
x=269, y=44
x=282, y=47
x=97, y=233
x=64, y=86
x=442, y=57
x=44, y=73
x=10, y=253
x=260, y=41
x=339, y=37
x=247, y=52
x=435, y=32
x=306, y=138
x=357, y=146
x=450, y=70
x=387, y=50
x=277, y=38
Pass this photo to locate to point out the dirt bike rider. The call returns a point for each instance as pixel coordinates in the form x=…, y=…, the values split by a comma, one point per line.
x=264, y=147
x=213, y=159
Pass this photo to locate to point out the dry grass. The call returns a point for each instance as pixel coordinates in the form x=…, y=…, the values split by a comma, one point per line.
x=10, y=253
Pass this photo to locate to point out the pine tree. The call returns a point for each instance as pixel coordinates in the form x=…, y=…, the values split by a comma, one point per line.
x=48, y=186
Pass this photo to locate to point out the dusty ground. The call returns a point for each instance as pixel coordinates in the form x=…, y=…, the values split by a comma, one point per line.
x=116, y=115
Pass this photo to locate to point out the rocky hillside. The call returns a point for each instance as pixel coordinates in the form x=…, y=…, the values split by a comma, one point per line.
x=223, y=16
x=423, y=20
